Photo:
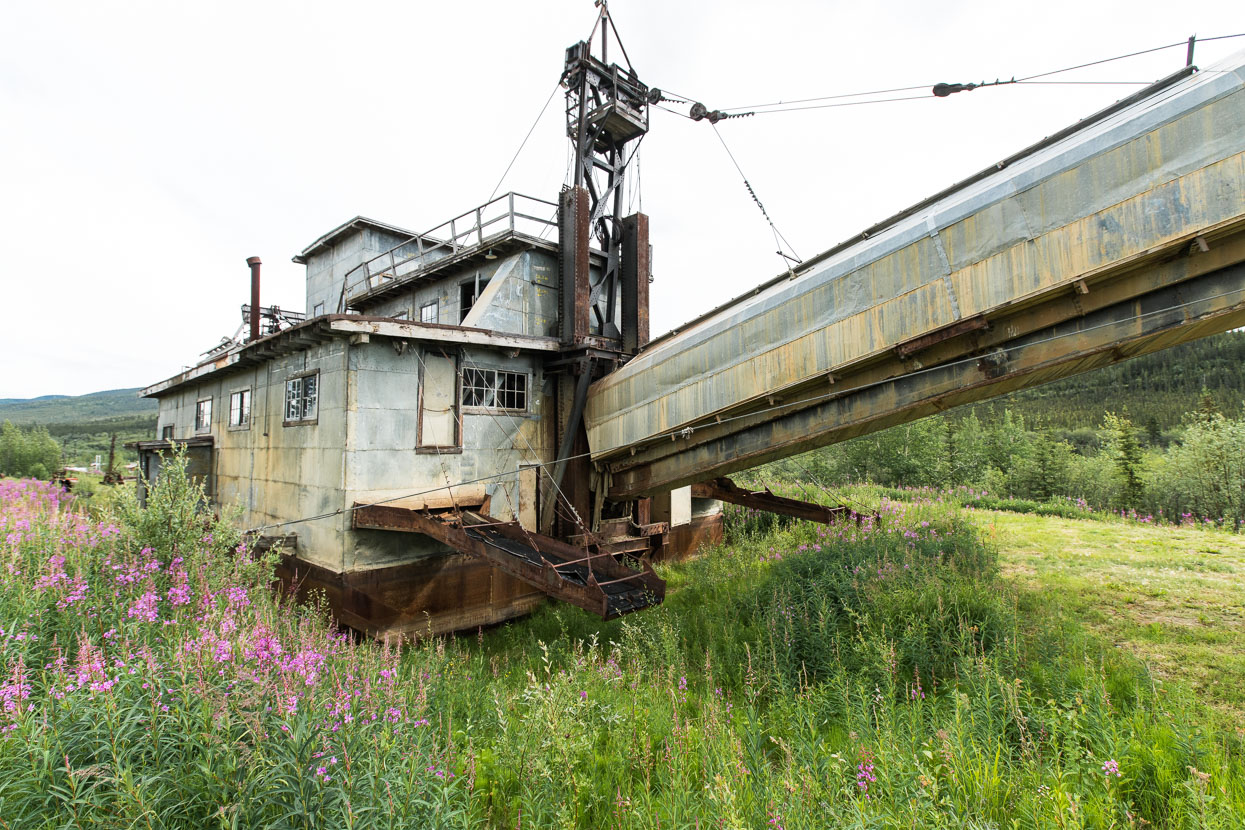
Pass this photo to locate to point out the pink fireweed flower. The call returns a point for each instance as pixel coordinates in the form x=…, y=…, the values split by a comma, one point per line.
x=179, y=595
x=1110, y=768
x=145, y=607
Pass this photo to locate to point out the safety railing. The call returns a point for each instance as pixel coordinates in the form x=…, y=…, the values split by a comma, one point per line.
x=476, y=229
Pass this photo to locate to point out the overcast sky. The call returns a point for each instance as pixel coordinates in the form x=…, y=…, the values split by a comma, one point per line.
x=147, y=149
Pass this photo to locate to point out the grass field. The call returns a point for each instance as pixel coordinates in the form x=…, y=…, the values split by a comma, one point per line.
x=879, y=675
x=1173, y=597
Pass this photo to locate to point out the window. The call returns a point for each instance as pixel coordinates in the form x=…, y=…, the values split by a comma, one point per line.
x=469, y=293
x=428, y=313
x=240, y=408
x=494, y=389
x=317, y=310
x=300, y=398
x=203, y=415
x=167, y=432
x=401, y=315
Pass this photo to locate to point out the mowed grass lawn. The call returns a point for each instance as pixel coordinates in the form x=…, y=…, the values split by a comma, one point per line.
x=1175, y=597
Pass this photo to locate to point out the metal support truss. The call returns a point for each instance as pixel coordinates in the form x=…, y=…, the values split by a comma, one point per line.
x=606, y=111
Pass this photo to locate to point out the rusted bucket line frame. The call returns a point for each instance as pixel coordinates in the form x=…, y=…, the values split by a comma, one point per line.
x=723, y=489
x=560, y=570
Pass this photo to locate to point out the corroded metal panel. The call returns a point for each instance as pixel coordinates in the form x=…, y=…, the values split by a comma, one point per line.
x=1140, y=184
x=1196, y=308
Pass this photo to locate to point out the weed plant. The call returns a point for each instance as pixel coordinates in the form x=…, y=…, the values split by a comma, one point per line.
x=870, y=674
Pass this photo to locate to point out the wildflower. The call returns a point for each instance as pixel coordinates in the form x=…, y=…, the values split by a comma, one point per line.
x=865, y=776
x=145, y=607
x=179, y=595
x=1110, y=768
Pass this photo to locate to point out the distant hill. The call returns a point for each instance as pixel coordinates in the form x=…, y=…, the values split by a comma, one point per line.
x=76, y=409
x=84, y=424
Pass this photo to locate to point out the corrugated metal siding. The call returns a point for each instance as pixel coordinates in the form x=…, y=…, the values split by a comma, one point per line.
x=1158, y=171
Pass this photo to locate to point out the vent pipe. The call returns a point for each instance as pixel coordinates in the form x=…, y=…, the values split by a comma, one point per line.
x=254, y=262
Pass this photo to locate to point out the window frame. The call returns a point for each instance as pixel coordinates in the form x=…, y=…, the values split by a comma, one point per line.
x=317, y=310
x=166, y=432
x=494, y=389
x=203, y=424
x=436, y=313
x=247, y=399
x=477, y=287
x=304, y=419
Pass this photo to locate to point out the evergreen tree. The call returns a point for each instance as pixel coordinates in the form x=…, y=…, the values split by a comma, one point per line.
x=1126, y=449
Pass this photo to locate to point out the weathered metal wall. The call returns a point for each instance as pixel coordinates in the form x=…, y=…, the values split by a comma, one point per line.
x=276, y=472
x=521, y=296
x=1152, y=176
x=363, y=445
x=327, y=269
x=383, y=460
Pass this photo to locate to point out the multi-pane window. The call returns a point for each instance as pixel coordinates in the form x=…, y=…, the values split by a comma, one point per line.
x=400, y=315
x=317, y=310
x=428, y=313
x=240, y=408
x=203, y=415
x=494, y=389
x=300, y=398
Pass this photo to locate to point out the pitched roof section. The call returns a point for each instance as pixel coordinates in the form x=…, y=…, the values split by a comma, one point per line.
x=332, y=236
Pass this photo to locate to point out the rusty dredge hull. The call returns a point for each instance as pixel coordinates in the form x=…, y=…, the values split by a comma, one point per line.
x=472, y=420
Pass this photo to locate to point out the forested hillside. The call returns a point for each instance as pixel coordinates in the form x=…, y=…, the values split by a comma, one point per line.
x=83, y=424
x=59, y=409
x=1161, y=387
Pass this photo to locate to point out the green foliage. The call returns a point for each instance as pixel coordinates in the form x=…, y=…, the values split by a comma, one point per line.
x=1205, y=473
x=28, y=452
x=863, y=675
x=174, y=520
x=1125, y=453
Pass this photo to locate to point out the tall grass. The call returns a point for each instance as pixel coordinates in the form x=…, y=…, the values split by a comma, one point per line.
x=868, y=675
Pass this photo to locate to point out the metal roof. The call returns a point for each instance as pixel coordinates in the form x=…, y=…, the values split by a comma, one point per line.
x=358, y=222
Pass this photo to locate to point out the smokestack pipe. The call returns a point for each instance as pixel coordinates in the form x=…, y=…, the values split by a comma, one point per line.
x=254, y=262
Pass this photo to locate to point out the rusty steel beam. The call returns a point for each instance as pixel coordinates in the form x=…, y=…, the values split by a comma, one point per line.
x=574, y=238
x=723, y=489
x=545, y=563
x=918, y=344
x=636, y=269
x=543, y=577
x=1196, y=308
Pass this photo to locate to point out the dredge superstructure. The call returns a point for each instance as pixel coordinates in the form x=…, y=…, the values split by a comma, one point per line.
x=472, y=419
